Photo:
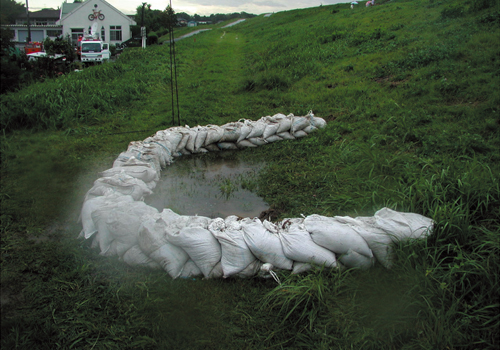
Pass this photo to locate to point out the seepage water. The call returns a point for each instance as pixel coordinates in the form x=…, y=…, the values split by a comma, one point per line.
x=209, y=186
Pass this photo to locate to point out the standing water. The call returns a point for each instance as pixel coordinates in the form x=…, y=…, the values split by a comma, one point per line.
x=209, y=186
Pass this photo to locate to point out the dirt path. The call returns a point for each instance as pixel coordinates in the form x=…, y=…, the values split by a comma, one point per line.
x=204, y=30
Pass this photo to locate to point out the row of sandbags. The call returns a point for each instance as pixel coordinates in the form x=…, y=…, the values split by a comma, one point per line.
x=121, y=224
x=188, y=246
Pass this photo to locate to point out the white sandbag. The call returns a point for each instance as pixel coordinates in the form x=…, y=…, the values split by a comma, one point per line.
x=271, y=129
x=276, y=117
x=135, y=257
x=251, y=270
x=177, y=154
x=202, y=247
x=318, y=122
x=120, y=222
x=184, y=152
x=191, y=140
x=168, y=138
x=212, y=147
x=299, y=123
x=232, y=132
x=146, y=174
x=402, y=226
x=169, y=215
x=298, y=246
x=258, y=128
x=246, y=128
x=119, y=183
x=201, y=136
x=245, y=144
x=299, y=134
x=145, y=152
x=227, y=145
x=140, y=156
x=258, y=141
x=133, y=161
x=310, y=128
x=300, y=267
x=152, y=233
x=190, y=270
x=126, y=159
x=273, y=138
x=270, y=226
x=266, y=246
x=216, y=271
x=92, y=204
x=214, y=134
x=353, y=259
x=285, y=123
x=336, y=236
x=236, y=255
x=153, y=242
x=165, y=154
x=157, y=151
x=117, y=248
x=183, y=142
x=379, y=242
x=171, y=258
x=285, y=135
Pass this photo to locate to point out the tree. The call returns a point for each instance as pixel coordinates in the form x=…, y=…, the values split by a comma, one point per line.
x=60, y=46
x=168, y=18
x=151, y=18
x=10, y=11
x=6, y=44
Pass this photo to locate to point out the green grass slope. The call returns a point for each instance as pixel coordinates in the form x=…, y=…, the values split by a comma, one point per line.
x=410, y=90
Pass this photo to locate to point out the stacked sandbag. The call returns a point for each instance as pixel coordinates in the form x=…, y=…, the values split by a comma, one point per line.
x=121, y=224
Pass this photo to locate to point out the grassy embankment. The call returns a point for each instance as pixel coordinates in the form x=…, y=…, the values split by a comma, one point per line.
x=410, y=91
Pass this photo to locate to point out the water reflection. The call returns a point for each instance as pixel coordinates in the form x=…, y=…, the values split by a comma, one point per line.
x=209, y=186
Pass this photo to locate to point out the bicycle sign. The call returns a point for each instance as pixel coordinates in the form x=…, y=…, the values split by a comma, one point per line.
x=96, y=15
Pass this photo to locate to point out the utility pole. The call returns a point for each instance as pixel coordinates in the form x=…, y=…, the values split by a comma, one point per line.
x=28, y=38
x=143, y=29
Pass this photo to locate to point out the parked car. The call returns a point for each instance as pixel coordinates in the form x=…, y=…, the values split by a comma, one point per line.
x=132, y=42
x=35, y=55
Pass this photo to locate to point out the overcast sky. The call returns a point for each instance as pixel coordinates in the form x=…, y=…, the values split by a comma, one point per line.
x=201, y=7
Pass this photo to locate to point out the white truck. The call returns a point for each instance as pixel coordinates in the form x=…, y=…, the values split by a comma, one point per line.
x=92, y=49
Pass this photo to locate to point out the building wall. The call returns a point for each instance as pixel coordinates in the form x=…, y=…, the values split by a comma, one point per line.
x=38, y=33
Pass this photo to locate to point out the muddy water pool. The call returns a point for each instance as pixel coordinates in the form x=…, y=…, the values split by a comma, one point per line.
x=209, y=186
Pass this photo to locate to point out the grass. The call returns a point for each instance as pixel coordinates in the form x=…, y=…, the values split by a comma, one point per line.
x=410, y=93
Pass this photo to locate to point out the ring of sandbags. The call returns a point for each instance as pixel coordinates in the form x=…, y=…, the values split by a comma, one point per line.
x=121, y=224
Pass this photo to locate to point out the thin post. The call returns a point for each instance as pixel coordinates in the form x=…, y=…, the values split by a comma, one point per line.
x=143, y=29
x=28, y=38
x=171, y=22
x=171, y=43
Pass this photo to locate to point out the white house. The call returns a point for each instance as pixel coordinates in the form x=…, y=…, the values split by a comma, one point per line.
x=75, y=19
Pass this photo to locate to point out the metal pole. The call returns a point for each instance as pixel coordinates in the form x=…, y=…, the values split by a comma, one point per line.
x=143, y=29
x=28, y=38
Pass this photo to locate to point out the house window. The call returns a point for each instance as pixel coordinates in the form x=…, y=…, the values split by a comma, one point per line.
x=103, y=34
x=75, y=33
x=54, y=32
x=115, y=33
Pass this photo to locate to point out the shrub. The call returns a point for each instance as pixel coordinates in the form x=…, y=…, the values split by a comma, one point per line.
x=152, y=38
